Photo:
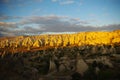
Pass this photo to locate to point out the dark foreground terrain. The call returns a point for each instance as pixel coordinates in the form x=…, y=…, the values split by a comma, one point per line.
x=87, y=62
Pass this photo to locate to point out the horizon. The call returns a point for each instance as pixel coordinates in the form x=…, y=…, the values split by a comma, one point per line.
x=18, y=17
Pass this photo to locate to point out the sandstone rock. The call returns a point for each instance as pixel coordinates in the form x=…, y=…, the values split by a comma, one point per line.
x=52, y=66
x=81, y=66
x=62, y=68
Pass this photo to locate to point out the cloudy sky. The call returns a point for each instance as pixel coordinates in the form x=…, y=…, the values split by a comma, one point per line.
x=20, y=17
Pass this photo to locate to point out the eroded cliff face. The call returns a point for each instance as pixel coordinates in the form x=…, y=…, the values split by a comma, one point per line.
x=26, y=43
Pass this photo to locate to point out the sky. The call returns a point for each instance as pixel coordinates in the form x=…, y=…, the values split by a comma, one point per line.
x=20, y=17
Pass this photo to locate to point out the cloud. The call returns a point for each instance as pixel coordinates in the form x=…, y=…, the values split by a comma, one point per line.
x=6, y=17
x=42, y=19
x=6, y=34
x=50, y=23
x=53, y=22
x=5, y=30
x=8, y=24
x=110, y=27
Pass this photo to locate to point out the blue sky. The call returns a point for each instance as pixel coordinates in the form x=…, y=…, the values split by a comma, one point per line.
x=58, y=15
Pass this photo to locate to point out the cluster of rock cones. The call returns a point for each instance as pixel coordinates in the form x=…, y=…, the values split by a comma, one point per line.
x=79, y=56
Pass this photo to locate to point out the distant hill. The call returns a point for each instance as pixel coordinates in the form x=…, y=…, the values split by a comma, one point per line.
x=26, y=43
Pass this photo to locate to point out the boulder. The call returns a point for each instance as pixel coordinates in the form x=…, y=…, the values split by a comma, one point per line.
x=62, y=68
x=81, y=66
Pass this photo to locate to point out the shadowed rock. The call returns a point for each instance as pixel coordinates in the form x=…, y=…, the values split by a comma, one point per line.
x=81, y=66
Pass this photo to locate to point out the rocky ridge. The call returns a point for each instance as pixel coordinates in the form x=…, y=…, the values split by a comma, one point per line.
x=27, y=43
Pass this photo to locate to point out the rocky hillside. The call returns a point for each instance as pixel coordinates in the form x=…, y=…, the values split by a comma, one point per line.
x=79, y=56
x=26, y=43
x=67, y=63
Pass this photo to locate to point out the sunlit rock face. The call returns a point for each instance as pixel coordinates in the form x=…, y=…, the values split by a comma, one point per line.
x=97, y=38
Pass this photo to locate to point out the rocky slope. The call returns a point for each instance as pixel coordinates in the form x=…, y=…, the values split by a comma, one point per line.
x=26, y=43
x=84, y=55
x=85, y=62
